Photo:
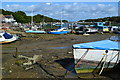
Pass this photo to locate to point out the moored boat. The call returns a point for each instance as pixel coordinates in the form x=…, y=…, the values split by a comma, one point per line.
x=7, y=38
x=35, y=31
x=59, y=31
x=117, y=32
x=96, y=56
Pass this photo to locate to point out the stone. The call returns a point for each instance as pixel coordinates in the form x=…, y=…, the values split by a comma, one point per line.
x=31, y=67
x=36, y=58
x=28, y=63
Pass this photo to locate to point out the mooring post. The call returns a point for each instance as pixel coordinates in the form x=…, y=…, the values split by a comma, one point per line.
x=16, y=54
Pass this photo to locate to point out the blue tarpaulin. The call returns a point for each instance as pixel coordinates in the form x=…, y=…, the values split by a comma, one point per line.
x=103, y=45
x=7, y=36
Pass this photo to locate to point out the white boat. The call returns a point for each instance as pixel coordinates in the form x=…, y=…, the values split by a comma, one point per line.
x=7, y=38
x=59, y=31
x=96, y=56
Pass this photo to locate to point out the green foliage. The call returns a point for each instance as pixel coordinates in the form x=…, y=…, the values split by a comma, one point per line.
x=6, y=12
x=113, y=19
x=18, y=63
x=21, y=17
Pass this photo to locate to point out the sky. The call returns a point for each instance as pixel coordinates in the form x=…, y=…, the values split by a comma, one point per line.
x=71, y=11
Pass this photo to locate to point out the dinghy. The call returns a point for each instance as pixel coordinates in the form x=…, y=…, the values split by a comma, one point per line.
x=7, y=38
x=96, y=56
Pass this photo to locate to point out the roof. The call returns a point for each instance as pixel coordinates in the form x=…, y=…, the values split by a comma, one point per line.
x=102, y=45
x=8, y=16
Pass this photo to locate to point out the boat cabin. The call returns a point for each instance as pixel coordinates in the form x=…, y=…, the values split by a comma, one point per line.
x=101, y=27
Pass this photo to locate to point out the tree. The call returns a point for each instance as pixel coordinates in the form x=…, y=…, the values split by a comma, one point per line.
x=20, y=17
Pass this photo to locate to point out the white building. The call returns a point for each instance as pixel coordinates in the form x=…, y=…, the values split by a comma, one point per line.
x=8, y=19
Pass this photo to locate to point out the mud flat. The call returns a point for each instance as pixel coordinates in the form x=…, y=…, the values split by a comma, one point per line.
x=57, y=58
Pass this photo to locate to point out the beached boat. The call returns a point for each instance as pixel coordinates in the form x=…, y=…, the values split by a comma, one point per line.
x=7, y=38
x=83, y=30
x=35, y=31
x=117, y=32
x=62, y=30
x=96, y=56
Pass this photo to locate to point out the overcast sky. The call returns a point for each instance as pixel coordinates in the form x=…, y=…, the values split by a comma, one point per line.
x=71, y=11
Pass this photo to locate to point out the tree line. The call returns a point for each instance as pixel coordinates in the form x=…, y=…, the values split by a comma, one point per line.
x=115, y=20
x=21, y=17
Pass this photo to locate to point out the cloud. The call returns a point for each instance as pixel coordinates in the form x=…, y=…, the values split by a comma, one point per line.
x=48, y=3
x=70, y=11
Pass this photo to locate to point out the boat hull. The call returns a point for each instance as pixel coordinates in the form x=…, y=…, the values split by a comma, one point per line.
x=39, y=32
x=14, y=38
x=58, y=32
x=92, y=66
x=117, y=32
x=94, y=59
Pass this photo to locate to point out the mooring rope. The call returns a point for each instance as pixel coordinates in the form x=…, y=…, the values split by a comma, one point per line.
x=99, y=63
x=113, y=58
x=79, y=61
x=103, y=63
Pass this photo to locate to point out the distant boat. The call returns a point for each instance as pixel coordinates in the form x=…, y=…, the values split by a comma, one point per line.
x=84, y=30
x=35, y=31
x=7, y=38
x=59, y=31
x=117, y=32
x=96, y=56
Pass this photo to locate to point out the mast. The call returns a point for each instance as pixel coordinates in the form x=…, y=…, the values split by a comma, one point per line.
x=61, y=17
x=32, y=18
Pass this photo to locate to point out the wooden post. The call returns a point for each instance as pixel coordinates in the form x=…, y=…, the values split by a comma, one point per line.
x=16, y=53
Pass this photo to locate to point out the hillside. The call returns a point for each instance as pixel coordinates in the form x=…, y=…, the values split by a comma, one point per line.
x=115, y=20
x=21, y=17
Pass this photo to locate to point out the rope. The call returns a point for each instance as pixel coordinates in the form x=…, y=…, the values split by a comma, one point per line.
x=79, y=61
x=118, y=57
x=99, y=63
x=112, y=59
x=103, y=63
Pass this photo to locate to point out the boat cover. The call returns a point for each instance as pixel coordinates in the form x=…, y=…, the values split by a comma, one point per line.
x=103, y=45
x=7, y=36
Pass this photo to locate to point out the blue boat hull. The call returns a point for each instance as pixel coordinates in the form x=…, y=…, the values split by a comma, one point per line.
x=117, y=32
x=31, y=31
x=61, y=32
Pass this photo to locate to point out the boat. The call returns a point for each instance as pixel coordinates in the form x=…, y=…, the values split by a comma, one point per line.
x=96, y=56
x=7, y=37
x=35, y=31
x=117, y=32
x=34, y=27
x=60, y=30
x=100, y=26
x=84, y=30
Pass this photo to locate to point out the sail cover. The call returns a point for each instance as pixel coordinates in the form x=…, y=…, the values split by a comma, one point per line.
x=103, y=45
x=7, y=36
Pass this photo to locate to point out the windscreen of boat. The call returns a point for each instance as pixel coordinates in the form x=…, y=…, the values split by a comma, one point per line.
x=7, y=36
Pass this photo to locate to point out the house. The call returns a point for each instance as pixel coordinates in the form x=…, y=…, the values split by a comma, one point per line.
x=8, y=19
